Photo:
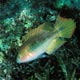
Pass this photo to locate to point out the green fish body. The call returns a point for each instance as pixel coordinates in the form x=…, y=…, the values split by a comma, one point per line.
x=45, y=38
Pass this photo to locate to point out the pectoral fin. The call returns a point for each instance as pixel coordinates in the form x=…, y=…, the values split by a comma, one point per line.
x=54, y=45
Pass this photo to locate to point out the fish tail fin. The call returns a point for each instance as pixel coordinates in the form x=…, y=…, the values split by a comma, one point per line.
x=65, y=28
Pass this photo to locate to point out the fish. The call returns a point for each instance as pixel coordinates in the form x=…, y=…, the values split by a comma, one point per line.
x=45, y=39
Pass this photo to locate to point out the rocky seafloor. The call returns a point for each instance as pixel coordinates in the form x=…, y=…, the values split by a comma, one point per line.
x=16, y=18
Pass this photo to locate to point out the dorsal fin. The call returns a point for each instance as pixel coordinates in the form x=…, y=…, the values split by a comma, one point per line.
x=34, y=32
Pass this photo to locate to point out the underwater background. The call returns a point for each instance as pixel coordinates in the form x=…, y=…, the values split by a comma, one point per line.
x=17, y=17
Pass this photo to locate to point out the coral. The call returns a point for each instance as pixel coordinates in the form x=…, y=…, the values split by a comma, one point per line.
x=68, y=3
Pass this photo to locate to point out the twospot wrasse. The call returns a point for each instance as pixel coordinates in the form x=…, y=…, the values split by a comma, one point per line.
x=45, y=39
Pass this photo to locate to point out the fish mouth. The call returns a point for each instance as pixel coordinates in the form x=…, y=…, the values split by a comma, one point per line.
x=18, y=60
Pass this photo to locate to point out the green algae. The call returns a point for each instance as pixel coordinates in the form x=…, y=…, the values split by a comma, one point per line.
x=1, y=58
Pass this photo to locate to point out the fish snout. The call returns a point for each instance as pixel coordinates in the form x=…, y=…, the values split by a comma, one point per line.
x=25, y=58
x=18, y=60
